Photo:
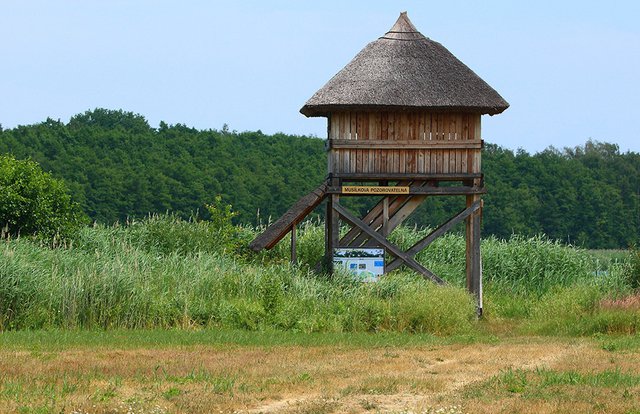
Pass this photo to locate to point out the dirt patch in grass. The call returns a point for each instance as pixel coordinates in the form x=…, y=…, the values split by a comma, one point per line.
x=326, y=379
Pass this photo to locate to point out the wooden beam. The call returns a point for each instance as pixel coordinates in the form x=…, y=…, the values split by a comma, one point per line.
x=390, y=247
x=473, y=259
x=328, y=248
x=406, y=177
x=476, y=270
x=429, y=238
x=404, y=210
x=332, y=223
x=294, y=255
x=385, y=216
x=374, y=217
x=402, y=144
x=276, y=231
x=426, y=190
x=397, y=213
x=430, y=190
x=401, y=215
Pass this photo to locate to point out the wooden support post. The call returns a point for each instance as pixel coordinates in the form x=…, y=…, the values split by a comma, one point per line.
x=294, y=255
x=332, y=226
x=385, y=216
x=328, y=247
x=473, y=259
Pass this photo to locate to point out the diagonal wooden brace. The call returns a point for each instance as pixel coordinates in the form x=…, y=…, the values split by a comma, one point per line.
x=374, y=218
x=442, y=229
x=391, y=248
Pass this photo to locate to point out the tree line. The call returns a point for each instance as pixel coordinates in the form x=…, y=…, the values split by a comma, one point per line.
x=119, y=168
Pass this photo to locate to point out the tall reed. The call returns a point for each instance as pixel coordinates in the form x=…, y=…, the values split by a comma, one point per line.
x=166, y=272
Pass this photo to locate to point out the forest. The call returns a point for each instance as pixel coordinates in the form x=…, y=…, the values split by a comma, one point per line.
x=119, y=168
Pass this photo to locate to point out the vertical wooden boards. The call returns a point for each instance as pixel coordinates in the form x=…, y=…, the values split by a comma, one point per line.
x=384, y=125
x=446, y=137
x=345, y=153
x=442, y=135
x=453, y=155
x=375, y=125
x=477, y=156
x=353, y=118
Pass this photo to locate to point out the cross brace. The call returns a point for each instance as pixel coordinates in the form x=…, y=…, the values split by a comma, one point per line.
x=442, y=229
x=391, y=248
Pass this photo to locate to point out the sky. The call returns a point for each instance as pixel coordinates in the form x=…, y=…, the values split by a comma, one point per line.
x=569, y=69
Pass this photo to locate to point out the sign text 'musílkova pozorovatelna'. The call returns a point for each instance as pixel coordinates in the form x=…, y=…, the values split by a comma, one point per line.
x=353, y=189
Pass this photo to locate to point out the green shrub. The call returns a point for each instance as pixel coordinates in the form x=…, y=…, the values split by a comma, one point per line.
x=33, y=203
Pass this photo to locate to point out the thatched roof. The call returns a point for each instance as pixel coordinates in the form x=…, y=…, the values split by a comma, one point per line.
x=404, y=70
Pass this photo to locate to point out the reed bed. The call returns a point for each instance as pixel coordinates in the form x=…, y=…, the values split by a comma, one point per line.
x=165, y=272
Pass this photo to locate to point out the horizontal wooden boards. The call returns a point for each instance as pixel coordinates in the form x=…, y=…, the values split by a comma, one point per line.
x=409, y=177
x=415, y=144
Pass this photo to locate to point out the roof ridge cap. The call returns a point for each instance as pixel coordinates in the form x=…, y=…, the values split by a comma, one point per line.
x=403, y=29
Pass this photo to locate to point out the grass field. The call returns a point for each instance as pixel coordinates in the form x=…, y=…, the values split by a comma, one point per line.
x=170, y=316
x=214, y=371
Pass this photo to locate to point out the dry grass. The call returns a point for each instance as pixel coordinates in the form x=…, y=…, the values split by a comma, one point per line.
x=630, y=302
x=511, y=376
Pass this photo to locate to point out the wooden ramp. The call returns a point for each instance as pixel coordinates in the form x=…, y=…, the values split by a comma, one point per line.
x=276, y=231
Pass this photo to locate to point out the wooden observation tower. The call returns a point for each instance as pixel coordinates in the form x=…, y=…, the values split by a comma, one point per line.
x=403, y=124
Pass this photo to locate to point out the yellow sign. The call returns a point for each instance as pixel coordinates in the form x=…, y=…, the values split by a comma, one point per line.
x=352, y=189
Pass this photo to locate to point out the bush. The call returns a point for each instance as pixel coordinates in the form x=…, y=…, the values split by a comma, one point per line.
x=34, y=203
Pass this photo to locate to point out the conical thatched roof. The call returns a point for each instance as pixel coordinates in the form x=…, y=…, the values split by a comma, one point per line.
x=403, y=70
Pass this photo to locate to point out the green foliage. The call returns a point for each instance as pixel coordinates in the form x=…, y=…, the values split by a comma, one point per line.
x=221, y=214
x=117, y=167
x=33, y=203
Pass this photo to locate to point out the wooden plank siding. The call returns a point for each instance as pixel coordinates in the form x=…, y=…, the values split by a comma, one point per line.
x=404, y=143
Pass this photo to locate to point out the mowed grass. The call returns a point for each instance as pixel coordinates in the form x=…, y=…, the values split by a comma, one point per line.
x=158, y=372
